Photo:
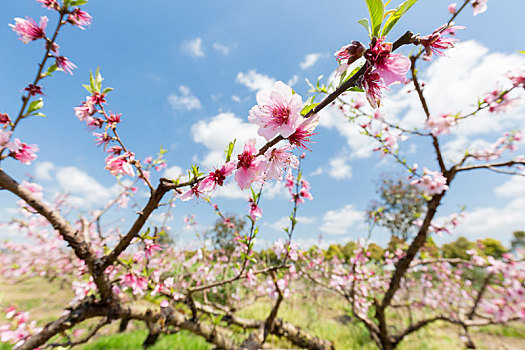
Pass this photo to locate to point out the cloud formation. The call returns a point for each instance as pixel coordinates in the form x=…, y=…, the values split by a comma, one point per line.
x=193, y=47
x=185, y=100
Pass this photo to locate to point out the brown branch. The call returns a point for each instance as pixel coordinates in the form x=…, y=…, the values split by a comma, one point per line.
x=482, y=290
x=83, y=311
x=73, y=237
x=490, y=165
x=103, y=322
x=152, y=204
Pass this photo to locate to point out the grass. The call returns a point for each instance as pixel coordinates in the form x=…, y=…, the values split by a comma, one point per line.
x=321, y=314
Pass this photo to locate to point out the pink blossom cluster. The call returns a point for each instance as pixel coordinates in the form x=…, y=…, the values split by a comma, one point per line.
x=441, y=123
x=431, y=182
x=19, y=327
x=277, y=114
x=303, y=192
x=499, y=101
x=21, y=151
x=384, y=69
x=508, y=142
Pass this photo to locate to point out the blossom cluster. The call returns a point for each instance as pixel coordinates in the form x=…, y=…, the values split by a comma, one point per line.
x=431, y=182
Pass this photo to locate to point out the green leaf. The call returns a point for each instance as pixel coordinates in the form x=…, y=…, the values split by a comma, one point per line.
x=355, y=88
x=364, y=22
x=352, y=73
x=376, y=9
x=78, y=2
x=38, y=114
x=52, y=68
x=98, y=80
x=92, y=82
x=88, y=88
x=228, y=151
x=396, y=16
x=35, y=105
x=106, y=90
x=308, y=108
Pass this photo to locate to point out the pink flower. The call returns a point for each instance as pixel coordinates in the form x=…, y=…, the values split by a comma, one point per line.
x=28, y=30
x=277, y=112
x=278, y=160
x=85, y=110
x=33, y=90
x=4, y=119
x=249, y=167
x=192, y=191
x=304, y=131
x=65, y=64
x=290, y=182
x=392, y=68
x=102, y=139
x=440, y=124
x=114, y=119
x=479, y=6
x=517, y=77
x=498, y=102
x=50, y=4
x=347, y=55
x=23, y=152
x=121, y=164
x=217, y=177
x=4, y=137
x=79, y=18
x=373, y=85
x=432, y=182
x=115, y=150
x=452, y=8
x=137, y=283
x=436, y=42
x=151, y=248
x=255, y=211
x=97, y=99
x=305, y=190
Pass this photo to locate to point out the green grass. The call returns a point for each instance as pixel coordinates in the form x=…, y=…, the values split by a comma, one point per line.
x=182, y=340
x=514, y=329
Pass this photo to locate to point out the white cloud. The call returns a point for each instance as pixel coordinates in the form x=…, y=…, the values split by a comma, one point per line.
x=173, y=172
x=236, y=98
x=185, y=100
x=231, y=190
x=193, y=47
x=255, y=81
x=293, y=80
x=497, y=221
x=338, y=222
x=311, y=59
x=43, y=170
x=361, y=146
x=218, y=131
x=317, y=171
x=84, y=190
x=339, y=168
x=225, y=50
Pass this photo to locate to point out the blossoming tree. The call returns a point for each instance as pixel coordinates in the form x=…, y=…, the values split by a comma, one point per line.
x=111, y=271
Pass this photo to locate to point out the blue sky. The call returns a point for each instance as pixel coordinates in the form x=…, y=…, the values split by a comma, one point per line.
x=181, y=69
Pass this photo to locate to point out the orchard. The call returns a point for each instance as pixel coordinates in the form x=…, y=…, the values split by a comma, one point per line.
x=129, y=248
